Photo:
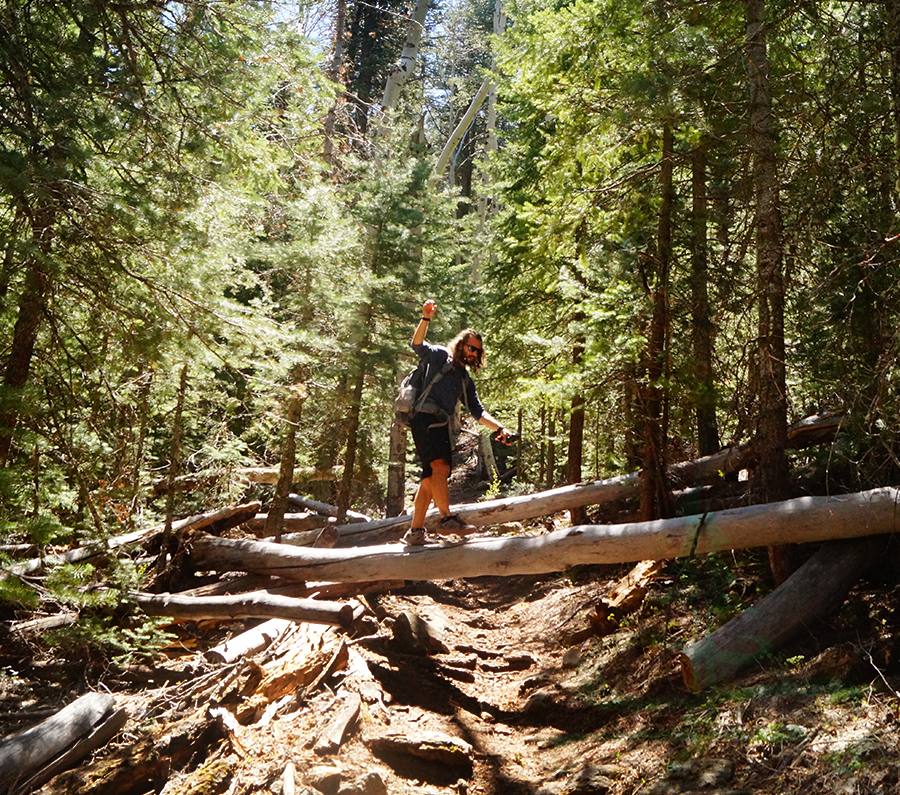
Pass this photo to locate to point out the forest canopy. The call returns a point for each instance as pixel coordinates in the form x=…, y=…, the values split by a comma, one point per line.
x=676, y=224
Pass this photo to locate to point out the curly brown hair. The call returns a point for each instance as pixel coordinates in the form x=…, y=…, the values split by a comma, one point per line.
x=457, y=351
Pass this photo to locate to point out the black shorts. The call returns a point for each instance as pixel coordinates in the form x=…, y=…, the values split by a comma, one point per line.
x=432, y=441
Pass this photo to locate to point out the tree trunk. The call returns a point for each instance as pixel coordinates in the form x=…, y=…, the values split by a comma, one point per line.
x=396, y=477
x=175, y=455
x=464, y=123
x=18, y=364
x=771, y=474
x=802, y=520
x=403, y=69
x=811, y=593
x=275, y=518
x=334, y=73
x=550, y=465
x=892, y=37
x=575, y=454
x=653, y=494
x=345, y=494
x=701, y=324
x=770, y=479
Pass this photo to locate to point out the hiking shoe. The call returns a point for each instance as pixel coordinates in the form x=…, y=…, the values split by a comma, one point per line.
x=454, y=524
x=414, y=537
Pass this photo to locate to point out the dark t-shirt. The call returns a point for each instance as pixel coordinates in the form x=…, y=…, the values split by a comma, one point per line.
x=447, y=392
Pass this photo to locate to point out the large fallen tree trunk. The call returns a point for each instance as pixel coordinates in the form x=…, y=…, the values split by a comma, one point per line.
x=529, y=506
x=811, y=593
x=25, y=755
x=799, y=521
x=258, y=604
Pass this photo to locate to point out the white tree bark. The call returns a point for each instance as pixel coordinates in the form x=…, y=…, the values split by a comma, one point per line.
x=249, y=642
x=403, y=69
x=460, y=129
x=798, y=521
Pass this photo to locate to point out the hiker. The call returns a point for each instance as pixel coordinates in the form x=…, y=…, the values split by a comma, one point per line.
x=431, y=424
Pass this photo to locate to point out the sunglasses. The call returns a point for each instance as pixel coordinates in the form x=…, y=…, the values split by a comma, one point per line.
x=473, y=348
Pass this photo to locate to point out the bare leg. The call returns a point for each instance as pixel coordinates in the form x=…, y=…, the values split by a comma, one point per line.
x=422, y=503
x=433, y=488
x=440, y=490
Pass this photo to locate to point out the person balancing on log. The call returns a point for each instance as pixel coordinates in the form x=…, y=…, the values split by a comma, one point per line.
x=450, y=382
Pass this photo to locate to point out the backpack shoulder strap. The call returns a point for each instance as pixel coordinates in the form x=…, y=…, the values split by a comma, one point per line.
x=435, y=378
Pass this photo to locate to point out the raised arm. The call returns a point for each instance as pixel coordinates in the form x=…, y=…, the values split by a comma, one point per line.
x=428, y=310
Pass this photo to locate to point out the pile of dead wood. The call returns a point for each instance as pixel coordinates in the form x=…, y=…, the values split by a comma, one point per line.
x=268, y=671
x=309, y=581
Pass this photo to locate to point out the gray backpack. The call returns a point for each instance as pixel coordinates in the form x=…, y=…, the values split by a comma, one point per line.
x=414, y=390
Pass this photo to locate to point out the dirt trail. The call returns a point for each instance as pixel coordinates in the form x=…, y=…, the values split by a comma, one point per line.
x=512, y=694
x=606, y=715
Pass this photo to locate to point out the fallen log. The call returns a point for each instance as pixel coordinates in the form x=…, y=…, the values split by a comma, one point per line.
x=292, y=522
x=258, y=604
x=325, y=509
x=812, y=592
x=626, y=596
x=494, y=512
x=544, y=503
x=96, y=739
x=312, y=590
x=800, y=520
x=143, y=766
x=269, y=475
x=14, y=550
x=45, y=623
x=263, y=475
x=24, y=755
x=197, y=522
x=249, y=642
